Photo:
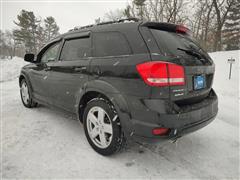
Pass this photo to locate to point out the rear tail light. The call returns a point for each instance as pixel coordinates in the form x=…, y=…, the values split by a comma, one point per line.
x=160, y=73
x=160, y=131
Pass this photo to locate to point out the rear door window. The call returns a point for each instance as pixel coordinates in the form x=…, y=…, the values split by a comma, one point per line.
x=75, y=49
x=110, y=44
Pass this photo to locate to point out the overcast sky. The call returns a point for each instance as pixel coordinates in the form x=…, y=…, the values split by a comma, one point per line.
x=67, y=14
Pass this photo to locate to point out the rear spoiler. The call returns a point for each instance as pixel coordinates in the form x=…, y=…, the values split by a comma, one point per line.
x=167, y=27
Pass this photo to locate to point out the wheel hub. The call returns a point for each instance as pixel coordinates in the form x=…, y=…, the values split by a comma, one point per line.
x=99, y=127
x=25, y=93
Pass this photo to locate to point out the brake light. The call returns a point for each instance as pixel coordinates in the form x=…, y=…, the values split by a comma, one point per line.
x=160, y=131
x=160, y=73
x=182, y=29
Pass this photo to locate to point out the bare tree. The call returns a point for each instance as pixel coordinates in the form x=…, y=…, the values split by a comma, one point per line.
x=155, y=10
x=173, y=9
x=203, y=22
x=7, y=44
x=222, y=8
x=114, y=15
x=206, y=18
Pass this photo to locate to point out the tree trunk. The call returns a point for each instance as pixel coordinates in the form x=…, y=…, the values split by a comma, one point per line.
x=218, y=39
x=206, y=25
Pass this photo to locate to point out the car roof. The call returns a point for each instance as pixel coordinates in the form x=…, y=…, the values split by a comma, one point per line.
x=103, y=28
x=119, y=25
x=128, y=27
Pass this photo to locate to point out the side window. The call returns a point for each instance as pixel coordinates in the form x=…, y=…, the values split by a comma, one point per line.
x=75, y=49
x=51, y=53
x=110, y=44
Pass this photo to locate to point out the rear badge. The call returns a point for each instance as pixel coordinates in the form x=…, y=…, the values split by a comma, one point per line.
x=179, y=94
x=178, y=90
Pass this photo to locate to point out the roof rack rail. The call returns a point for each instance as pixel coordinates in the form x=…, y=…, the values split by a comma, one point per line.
x=81, y=27
x=104, y=23
x=119, y=21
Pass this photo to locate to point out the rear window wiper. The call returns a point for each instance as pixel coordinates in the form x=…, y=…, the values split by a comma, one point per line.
x=193, y=53
x=190, y=52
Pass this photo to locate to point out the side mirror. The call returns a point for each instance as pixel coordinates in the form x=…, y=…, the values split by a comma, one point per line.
x=29, y=57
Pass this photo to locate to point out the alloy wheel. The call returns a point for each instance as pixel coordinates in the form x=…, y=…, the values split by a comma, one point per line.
x=25, y=93
x=99, y=127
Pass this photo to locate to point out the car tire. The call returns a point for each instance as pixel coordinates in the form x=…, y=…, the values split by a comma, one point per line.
x=26, y=95
x=102, y=127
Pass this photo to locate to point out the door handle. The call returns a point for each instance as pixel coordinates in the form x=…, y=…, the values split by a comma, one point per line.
x=48, y=68
x=80, y=69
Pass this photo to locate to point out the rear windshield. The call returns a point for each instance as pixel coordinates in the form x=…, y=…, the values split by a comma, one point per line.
x=169, y=44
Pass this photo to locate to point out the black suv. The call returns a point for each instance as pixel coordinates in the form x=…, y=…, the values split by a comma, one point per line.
x=124, y=79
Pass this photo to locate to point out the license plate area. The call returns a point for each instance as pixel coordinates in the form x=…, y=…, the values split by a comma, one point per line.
x=199, y=82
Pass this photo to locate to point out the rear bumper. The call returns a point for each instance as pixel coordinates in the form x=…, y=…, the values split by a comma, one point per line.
x=174, y=133
x=185, y=120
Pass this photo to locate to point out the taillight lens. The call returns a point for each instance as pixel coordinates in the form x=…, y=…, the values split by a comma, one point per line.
x=160, y=131
x=160, y=73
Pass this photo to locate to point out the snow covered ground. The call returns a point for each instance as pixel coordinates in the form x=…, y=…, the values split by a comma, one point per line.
x=47, y=143
x=11, y=68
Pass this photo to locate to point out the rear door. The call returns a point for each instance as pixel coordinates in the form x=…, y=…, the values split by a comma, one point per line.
x=180, y=48
x=114, y=62
x=70, y=72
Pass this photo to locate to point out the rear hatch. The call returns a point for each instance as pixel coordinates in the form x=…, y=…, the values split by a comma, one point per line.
x=176, y=45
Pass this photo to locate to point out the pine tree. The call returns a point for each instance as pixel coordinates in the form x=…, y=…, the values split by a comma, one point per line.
x=40, y=36
x=51, y=28
x=127, y=12
x=232, y=27
x=11, y=46
x=28, y=23
x=2, y=44
x=140, y=4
